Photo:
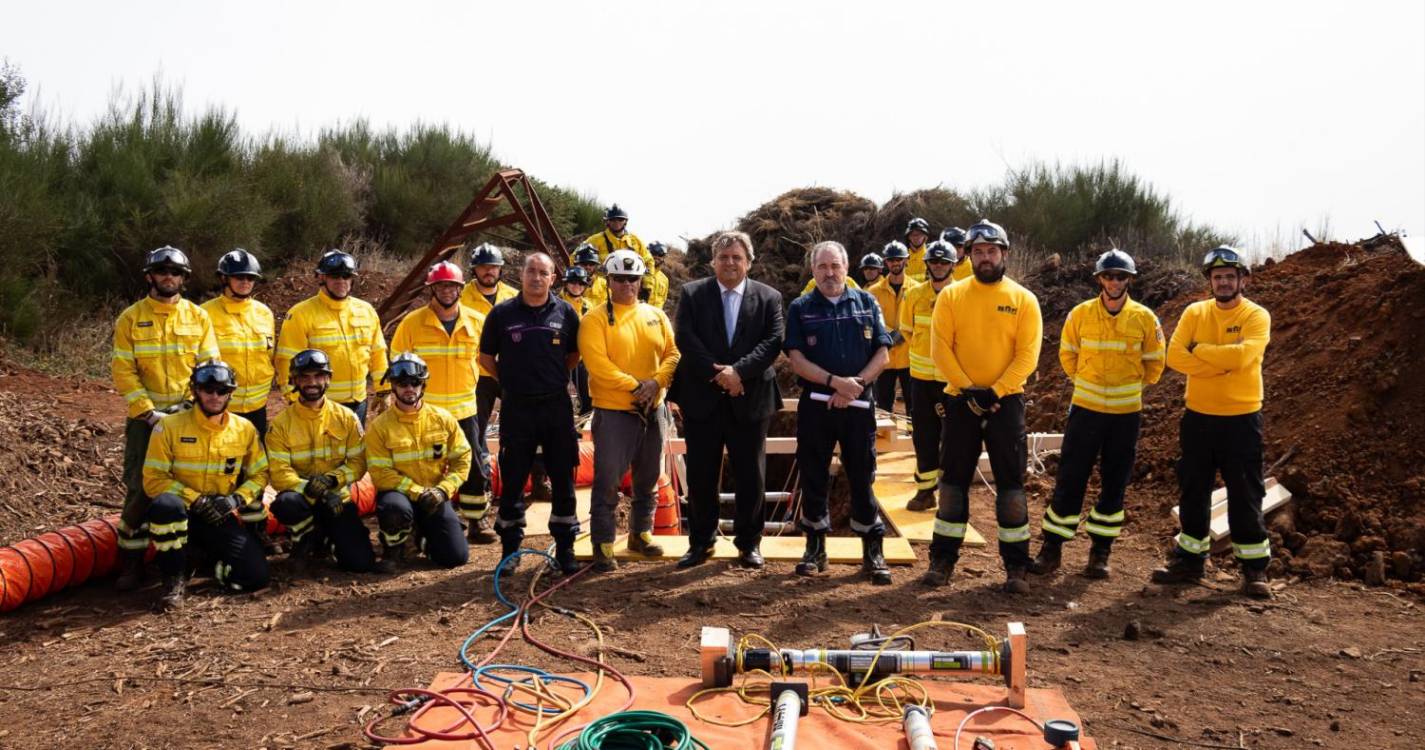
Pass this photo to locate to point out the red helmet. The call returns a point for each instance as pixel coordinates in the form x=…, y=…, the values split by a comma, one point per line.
x=444, y=271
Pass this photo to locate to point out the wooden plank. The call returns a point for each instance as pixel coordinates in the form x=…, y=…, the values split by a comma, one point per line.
x=842, y=550
x=1276, y=497
x=894, y=487
x=536, y=514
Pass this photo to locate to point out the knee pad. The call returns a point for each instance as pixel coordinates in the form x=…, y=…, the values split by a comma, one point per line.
x=1012, y=508
x=953, y=502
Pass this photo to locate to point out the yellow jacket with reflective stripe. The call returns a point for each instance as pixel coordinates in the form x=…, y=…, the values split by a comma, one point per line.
x=1109, y=357
x=638, y=346
x=811, y=284
x=962, y=270
x=155, y=347
x=450, y=356
x=191, y=456
x=580, y=304
x=657, y=288
x=915, y=264
x=473, y=299
x=247, y=337
x=410, y=452
x=348, y=331
x=1224, y=369
x=914, y=322
x=891, y=303
x=607, y=242
x=303, y=442
x=597, y=293
x=986, y=335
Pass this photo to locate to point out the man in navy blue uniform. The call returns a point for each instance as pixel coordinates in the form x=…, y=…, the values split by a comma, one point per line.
x=838, y=345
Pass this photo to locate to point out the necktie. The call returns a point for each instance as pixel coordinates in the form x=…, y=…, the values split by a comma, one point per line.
x=729, y=313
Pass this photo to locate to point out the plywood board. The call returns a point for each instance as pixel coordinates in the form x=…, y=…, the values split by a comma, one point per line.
x=1277, y=496
x=894, y=487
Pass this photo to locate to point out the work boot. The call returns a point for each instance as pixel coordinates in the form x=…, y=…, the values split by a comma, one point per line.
x=1048, y=559
x=564, y=562
x=924, y=500
x=479, y=531
x=695, y=556
x=604, y=561
x=1015, y=582
x=382, y=566
x=873, y=560
x=131, y=574
x=1180, y=570
x=299, y=558
x=1254, y=584
x=509, y=545
x=172, y=596
x=939, y=572
x=643, y=544
x=393, y=556
x=1097, y=566
x=814, y=559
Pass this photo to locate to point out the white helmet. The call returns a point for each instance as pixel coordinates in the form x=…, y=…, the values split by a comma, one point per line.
x=624, y=263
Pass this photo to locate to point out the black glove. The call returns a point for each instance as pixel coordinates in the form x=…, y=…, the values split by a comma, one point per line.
x=213, y=510
x=332, y=500
x=897, y=338
x=319, y=486
x=980, y=400
x=430, y=500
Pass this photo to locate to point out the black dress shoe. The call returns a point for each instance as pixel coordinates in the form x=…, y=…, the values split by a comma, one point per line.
x=750, y=558
x=695, y=556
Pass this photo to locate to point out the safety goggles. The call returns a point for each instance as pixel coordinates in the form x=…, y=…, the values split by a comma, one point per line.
x=1222, y=257
x=213, y=377
x=986, y=233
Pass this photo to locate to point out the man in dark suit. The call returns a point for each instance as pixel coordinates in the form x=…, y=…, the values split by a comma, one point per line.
x=729, y=329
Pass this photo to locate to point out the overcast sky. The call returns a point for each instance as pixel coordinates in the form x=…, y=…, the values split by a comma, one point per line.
x=1258, y=118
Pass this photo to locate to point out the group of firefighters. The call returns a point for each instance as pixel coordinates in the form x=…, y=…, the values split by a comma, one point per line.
x=940, y=320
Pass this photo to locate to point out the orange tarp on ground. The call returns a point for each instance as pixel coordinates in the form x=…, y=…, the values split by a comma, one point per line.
x=816, y=730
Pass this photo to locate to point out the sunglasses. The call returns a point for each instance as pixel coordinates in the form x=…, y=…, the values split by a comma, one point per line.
x=339, y=275
x=215, y=390
x=625, y=279
x=166, y=272
x=1114, y=276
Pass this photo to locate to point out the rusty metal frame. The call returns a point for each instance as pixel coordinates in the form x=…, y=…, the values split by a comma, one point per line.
x=479, y=216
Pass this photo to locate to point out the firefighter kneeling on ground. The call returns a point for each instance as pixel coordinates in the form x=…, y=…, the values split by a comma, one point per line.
x=1111, y=347
x=316, y=452
x=206, y=471
x=418, y=457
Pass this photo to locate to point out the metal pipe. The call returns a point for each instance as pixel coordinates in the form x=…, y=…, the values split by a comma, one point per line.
x=790, y=699
x=771, y=497
x=918, y=734
x=729, y=526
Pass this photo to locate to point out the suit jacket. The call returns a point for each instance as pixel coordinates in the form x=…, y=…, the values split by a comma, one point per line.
x=701, y=335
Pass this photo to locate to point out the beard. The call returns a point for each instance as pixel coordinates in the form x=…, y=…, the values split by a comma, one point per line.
x=1225, y=298
x=203, y=407
x=170, y=290
x=410, y=400
x=991, y=275
x=313, y=393
x=1111, y=295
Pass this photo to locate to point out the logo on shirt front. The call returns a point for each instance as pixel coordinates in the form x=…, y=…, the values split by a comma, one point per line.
x=866, y=332
x=230, y=465
x=1234, y=329
x=437, y=450
x=811, y=341
x=1011, y=309
x=516, y=337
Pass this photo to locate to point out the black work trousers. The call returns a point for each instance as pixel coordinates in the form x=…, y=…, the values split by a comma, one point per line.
x=240, y=562
x=927, y=413
x=886, y=388
x=1231, y=446
x=1111, y=442
x=133, y=521
x=538, y=425
x=820, y=429
x=344, y=534
x=472, y=501
x=439, y=532
x=258, y=419
x=1002, y=435
x=746, y=445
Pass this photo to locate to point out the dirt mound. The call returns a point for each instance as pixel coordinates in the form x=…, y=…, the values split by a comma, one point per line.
x=1060, y=285
x=784, y=229
x=941, y=207
x=1344, y=409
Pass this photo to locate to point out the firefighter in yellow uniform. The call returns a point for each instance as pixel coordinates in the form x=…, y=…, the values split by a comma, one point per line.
x=1219, y=344
x=596, y=292
x=1111, y=347
x=890, y=291
x=985, y=333
x=247, y=335
x=631, y=355
x=485, y=290
x=928, y=384
x=955, y=237
x=656, y=281
x=446, y=334
x=617, y=237
x=346, y=328
x=576, y=284
x=418, y=458
x=205, y=471
x=917, y=233
x=317, y=453
x=157, y=342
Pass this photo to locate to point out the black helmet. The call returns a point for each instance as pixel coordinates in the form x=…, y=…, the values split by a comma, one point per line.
x=239, y=262
x=485, y=254
x=872, y=260
x=954, y=236
x=586, y=253
x=407, y=366
x=615, y=212
x=917, y=223
x=989, y=232
x=213, y=372
x=1224, y=256
x=657, y=249
x=311, y=360
x=1115, y=260
x=167, y=257
x=576, y=275
x=942, y=251
x=337, y=263
x=894, y=250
